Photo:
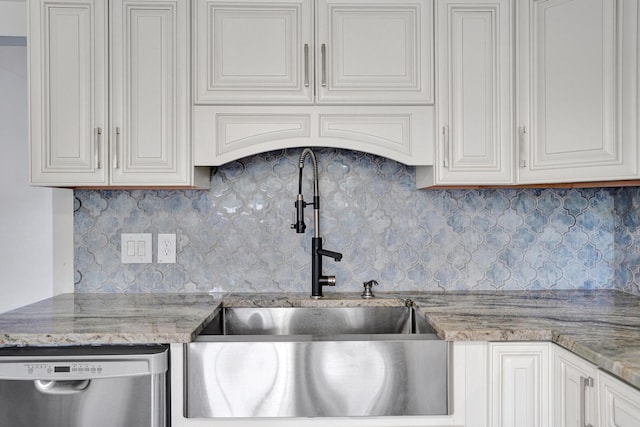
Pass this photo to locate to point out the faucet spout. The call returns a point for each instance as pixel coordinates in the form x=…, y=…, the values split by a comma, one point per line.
x=337, y=256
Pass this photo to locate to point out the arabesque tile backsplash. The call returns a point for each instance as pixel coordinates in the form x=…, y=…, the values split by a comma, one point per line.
x=236, y=237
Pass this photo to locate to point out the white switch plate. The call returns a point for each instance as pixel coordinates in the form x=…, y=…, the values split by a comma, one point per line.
x=166, y=248
x=135, y=248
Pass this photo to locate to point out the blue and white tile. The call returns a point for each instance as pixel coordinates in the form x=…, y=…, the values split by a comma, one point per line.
x=236, y=236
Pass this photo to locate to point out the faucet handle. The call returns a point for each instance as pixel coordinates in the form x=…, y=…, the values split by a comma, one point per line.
x=328, y=280
x=368, y=292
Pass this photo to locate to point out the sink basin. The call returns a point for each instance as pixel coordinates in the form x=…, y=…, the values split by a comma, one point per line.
x=326, y=321
x=317, y=362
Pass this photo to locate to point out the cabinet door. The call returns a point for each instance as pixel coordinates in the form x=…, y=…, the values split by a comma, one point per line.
x=578, y=91
x=150, y=142
x=519, y=389
x=619, y=403
x=574, y=391
x=475, y=92
x=68, y=93
x=374, y=51
x=253, y=52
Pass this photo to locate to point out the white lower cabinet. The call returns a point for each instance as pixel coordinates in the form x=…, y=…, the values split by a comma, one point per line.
x=519, y=384
x=574, y=393
x=619, y=402
x=584, y=396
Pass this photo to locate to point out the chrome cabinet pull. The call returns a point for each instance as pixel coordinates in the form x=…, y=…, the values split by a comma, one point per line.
x=116, y=150
x=445, y=142
x=98, y=143
x=323, y=54
x=523, y=146
x=584, y=383
x=306, y=65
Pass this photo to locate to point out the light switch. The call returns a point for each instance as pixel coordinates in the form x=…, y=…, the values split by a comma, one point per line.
x=131, y=248
x=135, y=248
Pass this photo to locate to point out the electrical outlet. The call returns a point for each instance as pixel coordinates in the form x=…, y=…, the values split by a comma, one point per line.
x=135, y=248
x=166, y=248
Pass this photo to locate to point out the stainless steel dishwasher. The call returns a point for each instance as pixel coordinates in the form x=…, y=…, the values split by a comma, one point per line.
x=97, y=386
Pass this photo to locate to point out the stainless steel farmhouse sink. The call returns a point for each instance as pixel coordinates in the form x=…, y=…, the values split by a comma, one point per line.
x=317, y=362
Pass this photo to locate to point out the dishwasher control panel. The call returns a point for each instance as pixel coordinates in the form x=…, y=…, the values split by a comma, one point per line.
x=71, y=369
x=80, y=363
x=63, y=369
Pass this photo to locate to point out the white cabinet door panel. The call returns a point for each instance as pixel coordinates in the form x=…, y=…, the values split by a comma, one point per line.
x=573, y=98
x=574, y=392
x=619, y=403
x=68, y=92
x=374, y=52
x=474, y=101
x=253, y=52
x=519, y=384
x=149, y=92
x=578, y=94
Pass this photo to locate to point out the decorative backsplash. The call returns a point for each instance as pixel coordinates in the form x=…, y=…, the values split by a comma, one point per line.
x=236, y=237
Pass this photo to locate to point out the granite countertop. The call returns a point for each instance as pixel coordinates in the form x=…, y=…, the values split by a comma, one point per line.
x=78, y=319
x=601, y=326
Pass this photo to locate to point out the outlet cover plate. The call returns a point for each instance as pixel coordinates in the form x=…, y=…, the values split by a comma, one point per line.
x=166, y=248
x=135, y=248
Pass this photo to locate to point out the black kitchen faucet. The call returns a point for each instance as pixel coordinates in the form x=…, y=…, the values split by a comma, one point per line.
x=318, y=280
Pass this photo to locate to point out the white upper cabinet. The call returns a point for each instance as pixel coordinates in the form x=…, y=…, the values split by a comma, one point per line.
x=374, y=52
x=144, y=138
x=306, y=52
x=68, y=91
x=257, y=51
x=150, y=106
x=354, y=74
x=578, y=90
x=226, y=133
x=475, y=97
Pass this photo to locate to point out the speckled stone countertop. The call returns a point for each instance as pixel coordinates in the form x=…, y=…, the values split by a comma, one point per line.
x=77, y=319
x=601, y=326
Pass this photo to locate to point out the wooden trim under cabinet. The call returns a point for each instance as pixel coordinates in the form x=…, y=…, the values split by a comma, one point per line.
x=591, y=184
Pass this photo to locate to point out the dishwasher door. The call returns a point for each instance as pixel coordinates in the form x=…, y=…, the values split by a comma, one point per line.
x=84, y=387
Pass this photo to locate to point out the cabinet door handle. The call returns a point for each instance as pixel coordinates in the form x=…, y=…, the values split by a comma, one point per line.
x=306, y=65
x=445, y=145
x=116, y=150
x=323, y=54
x=98, y=139
x=584, y=383
x=523, y=146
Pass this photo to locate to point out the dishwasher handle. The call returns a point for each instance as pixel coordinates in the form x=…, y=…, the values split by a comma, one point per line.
x=61, y=387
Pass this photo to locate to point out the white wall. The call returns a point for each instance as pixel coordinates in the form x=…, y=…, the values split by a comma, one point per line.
x=36, y=224
x=26, y=221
